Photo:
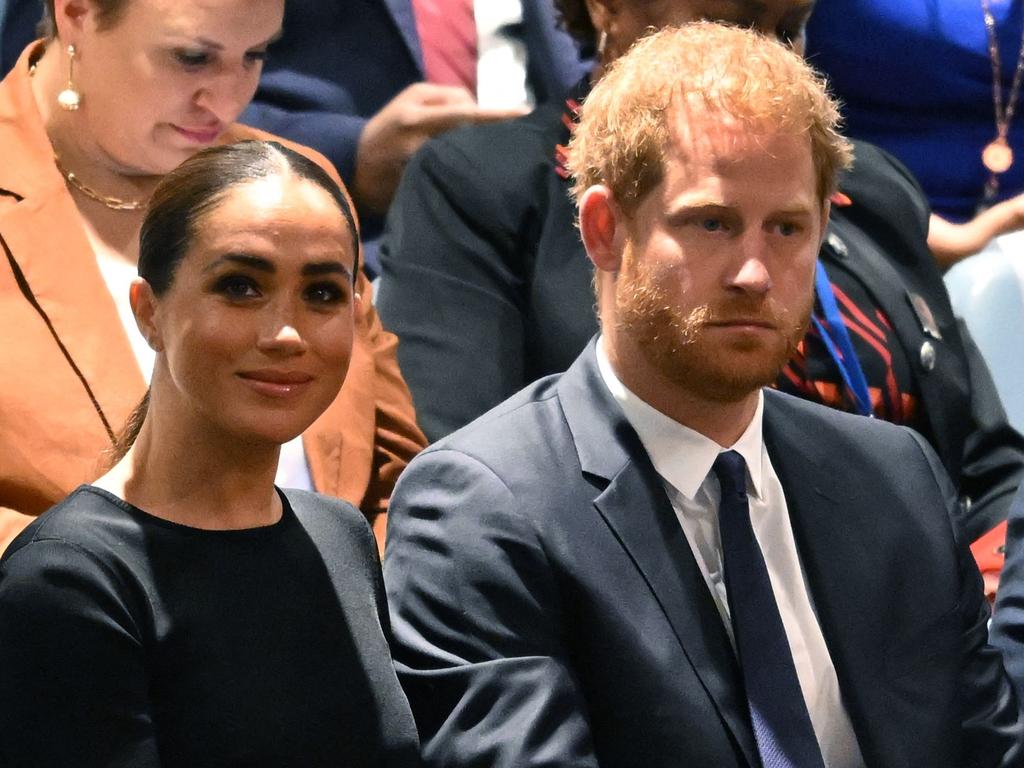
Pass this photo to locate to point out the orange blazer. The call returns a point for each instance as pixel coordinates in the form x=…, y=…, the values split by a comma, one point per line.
x=69, y=377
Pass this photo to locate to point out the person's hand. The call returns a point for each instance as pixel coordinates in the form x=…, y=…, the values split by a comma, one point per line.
x=391, y=136
x=949, y=242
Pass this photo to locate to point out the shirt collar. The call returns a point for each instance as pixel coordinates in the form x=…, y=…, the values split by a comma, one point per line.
x=682, y=456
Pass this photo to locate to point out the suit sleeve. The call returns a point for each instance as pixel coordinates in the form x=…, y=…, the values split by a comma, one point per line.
x=992, y=723
x=452, y=286
x=476, y=618
x=73, y=679
x=1008, y=622
x=993, y=462
x=396, y=437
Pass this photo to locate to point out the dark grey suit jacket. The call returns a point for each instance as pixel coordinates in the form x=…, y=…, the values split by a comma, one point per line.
x=548, y=611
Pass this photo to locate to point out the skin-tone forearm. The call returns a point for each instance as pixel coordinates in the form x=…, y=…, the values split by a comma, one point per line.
x=951, y=242
x=390, y=138
x=11, y=524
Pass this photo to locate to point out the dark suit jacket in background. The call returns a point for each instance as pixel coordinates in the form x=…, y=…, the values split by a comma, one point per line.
x=486, y=283
x=18, y=21
x=548, y=610
x=339, y=63
x=1008, y=621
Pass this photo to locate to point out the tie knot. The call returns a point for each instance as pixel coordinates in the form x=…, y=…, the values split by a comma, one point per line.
x=731, y=470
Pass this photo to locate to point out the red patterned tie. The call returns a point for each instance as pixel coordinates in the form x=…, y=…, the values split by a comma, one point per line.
x=447, y=30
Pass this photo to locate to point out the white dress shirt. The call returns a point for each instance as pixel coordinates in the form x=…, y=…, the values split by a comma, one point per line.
x=501, y=80
x=683, y=458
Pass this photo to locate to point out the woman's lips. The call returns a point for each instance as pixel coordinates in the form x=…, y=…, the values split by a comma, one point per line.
x=200, y=135
x=274, y=383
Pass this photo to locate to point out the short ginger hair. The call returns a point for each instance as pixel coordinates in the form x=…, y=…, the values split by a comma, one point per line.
x=725, y=73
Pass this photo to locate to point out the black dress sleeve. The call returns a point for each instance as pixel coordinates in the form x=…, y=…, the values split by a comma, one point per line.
x=68, y=634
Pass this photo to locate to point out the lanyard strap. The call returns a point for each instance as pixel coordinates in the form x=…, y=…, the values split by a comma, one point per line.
x=837, y=341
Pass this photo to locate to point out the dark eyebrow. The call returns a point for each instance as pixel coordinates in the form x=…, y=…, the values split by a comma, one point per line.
x=320, y=268
x=246, y=260
x=315, y=269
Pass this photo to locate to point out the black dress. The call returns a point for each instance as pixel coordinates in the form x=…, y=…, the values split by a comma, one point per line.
x=128, y=640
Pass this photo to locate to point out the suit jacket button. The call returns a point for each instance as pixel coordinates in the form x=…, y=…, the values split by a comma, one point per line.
x=927, y=355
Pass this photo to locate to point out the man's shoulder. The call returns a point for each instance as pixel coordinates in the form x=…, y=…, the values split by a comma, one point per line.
x=511, y=430
x=790, y=410
x=516, y=148
x=868, y=442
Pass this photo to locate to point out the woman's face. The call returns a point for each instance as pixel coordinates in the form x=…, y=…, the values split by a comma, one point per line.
x=168, y=77
x=624, y=21
x=255, y=333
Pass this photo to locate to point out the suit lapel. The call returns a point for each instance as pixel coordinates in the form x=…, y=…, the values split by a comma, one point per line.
x=401, y=12
x=637, y=510
x=834, y=517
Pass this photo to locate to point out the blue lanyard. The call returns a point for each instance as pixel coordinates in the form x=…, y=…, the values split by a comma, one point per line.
x=838, y=343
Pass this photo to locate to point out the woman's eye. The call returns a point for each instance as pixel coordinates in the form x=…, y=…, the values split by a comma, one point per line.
x=191, y=59
x=325, y=294
x=237, y=287
x=712, y=225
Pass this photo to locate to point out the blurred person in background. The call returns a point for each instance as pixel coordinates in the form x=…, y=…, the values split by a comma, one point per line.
x=367, y=82
x=938, y=84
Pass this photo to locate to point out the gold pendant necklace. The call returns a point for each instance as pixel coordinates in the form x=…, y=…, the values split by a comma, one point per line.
x=997, y=156
x=114, y=203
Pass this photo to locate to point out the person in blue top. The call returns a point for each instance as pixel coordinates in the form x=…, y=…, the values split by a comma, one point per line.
x=916, y=78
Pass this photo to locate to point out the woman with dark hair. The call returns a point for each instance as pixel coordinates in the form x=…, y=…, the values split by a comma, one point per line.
x=182, y=610
x=91, y=118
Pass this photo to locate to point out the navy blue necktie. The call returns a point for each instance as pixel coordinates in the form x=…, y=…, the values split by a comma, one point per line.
x=778, y=712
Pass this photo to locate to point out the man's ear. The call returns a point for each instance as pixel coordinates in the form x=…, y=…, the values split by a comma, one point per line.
x=144, y=306
x=602, y=227
x=70, y=16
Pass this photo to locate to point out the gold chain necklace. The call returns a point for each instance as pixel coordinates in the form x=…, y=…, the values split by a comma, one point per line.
x=997, y=156
x=113, y=203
